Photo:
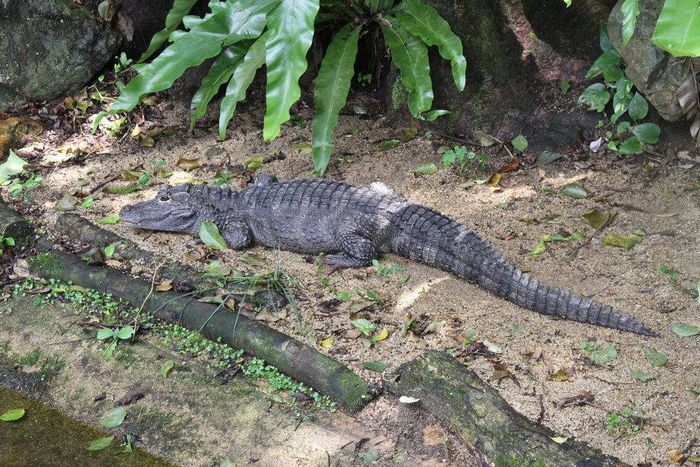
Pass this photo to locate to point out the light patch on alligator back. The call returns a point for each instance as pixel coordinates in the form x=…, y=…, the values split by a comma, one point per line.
x=410, y=297
x=379, y=187
x=463, y=232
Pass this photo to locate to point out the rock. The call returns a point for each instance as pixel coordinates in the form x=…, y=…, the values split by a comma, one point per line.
x=651, y=69
x=49, y=48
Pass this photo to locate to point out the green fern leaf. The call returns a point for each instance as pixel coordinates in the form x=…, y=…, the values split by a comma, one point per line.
x=172, y=21
x=630, y=11
x=291, y=28
x=239, y=82
x=219, y=73
x=425, y=22
x=332, y=87
x=410, y=55
x=228, y=25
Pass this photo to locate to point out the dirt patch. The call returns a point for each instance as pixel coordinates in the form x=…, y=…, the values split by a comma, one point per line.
x=659, y=196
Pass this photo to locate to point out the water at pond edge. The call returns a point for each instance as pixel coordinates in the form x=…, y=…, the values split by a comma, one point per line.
x=45, y=436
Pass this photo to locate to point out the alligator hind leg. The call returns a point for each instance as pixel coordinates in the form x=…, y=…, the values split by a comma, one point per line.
x=357, y=252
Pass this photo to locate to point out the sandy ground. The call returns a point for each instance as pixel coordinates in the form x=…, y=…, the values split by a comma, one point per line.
x=658, y=195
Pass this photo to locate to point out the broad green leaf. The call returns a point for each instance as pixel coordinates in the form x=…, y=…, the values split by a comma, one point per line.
x=104, y=333
x=622, y=98
x=410, y=55
x=638, y=107
x=519, y=143
x=630, y=10
x=605, y=355
x=606, y=62
x=109, y=250
x=209, y=234
x=642, y=376
x=425, y=22
x=291, y=30
x=332, y=87
x=12, y=166
x=219, y=73
x=216, y=269
x=604, y=39
x=622, y=241
x=647, y=132
x=166, y=368
x=365, y=326
x=113, y=418
x=595, y=97
x=100, y=443
x=678, y=28
x=111, y=219
x=656, y=358
x=426, y=169
x=179, y=9
x=685, y=330
x=432, y=115
x=574, y=190
x=239, y=82
x=230, y=24
x=122, y=189
x=631, y=145
x=389, y=144
x=12, y=415
x=127, y=332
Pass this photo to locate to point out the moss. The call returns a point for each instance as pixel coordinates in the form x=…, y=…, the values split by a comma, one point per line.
x=399, y=96
x=47, y=265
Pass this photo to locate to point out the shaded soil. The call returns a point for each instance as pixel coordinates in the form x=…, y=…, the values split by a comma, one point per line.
x=656, y=193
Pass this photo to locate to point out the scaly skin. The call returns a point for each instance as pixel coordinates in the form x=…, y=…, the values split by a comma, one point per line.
x=354, y=225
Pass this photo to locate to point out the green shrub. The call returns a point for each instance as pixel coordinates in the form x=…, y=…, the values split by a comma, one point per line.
x=244, y=35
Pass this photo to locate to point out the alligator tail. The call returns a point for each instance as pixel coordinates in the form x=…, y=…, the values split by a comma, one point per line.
x=425, y=235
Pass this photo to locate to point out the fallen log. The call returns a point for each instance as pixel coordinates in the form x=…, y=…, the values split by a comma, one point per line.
x=14, y=226
x=480, y=416
x=300, y=361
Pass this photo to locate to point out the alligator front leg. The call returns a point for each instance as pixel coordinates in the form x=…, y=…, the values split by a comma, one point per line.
x=357, y=252
x=237, y=235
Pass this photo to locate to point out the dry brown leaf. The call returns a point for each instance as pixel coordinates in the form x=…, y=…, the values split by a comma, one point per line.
x=165, y=286
x=189, y=164
x=495, y=179
x=510, y=166
x=434, y=435
x=675, y=456
x=560, y=375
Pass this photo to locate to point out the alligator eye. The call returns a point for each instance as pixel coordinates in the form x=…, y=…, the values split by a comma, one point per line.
x=164, y=199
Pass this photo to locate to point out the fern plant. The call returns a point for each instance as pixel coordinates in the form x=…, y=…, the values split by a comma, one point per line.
x=244, y=35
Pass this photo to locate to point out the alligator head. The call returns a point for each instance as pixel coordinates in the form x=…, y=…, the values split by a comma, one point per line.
x=178, y=208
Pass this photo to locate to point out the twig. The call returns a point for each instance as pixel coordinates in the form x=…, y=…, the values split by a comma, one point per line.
x=103, y=183
x=150, y=292
x=456, y=138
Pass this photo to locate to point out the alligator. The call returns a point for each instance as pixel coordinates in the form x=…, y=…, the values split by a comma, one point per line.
x=351, y=226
